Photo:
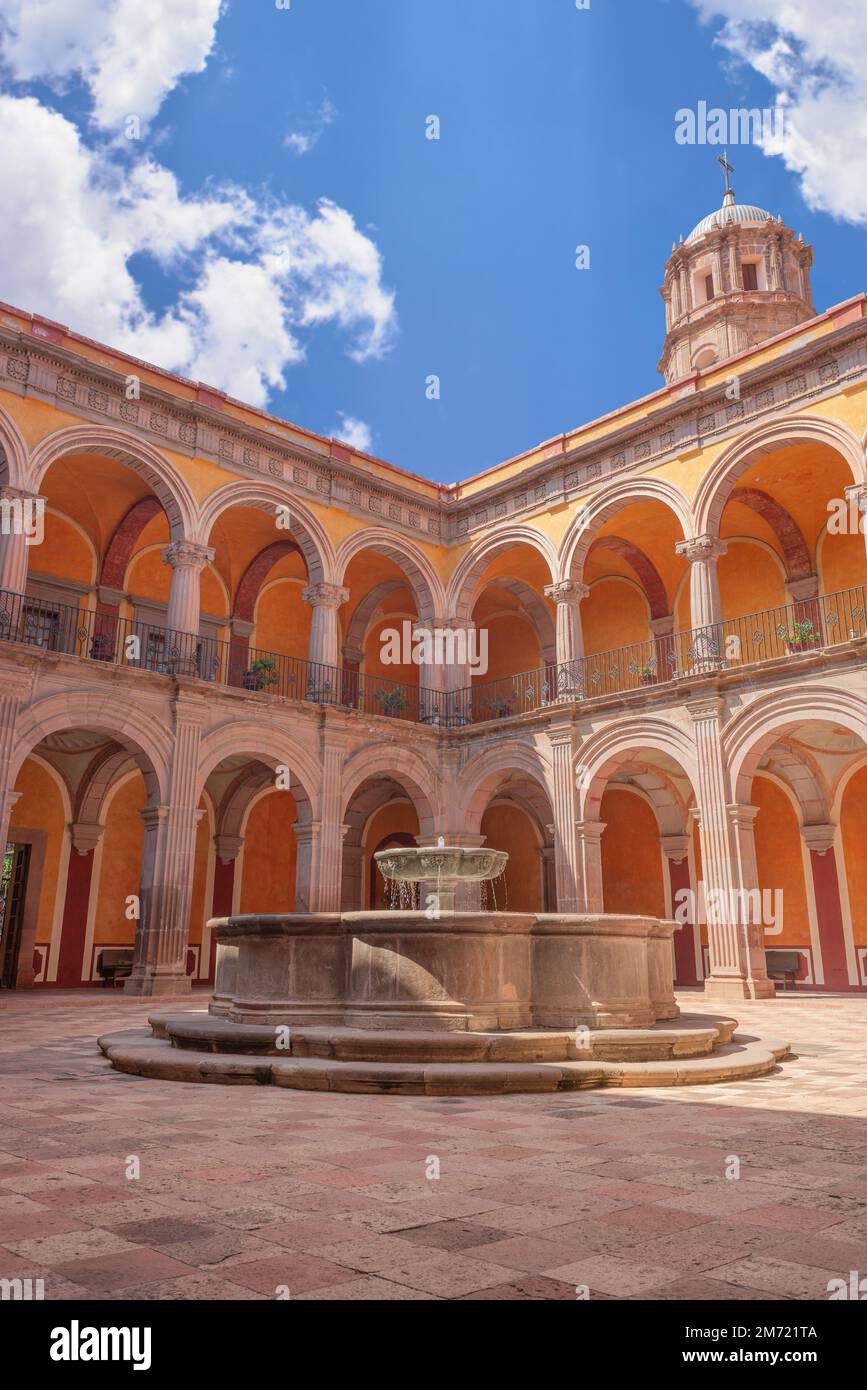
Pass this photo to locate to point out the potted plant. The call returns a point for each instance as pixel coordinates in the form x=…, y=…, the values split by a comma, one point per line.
x=648, y=674
x=392, y=701
x=800, y=637
x=501, y=707
x=102, y=647
x=262, y=673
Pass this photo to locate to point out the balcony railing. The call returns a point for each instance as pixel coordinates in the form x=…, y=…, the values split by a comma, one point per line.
x=803, y=626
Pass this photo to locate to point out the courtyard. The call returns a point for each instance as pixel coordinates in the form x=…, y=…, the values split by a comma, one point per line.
x=118, y=1187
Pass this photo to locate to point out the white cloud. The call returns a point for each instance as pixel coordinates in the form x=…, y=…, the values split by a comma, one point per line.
x=252, y=275
x=353, y=432
x=130, y=54
x=815, y=58
x=302, y=141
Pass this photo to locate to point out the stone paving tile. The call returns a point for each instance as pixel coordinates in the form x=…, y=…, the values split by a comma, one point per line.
x=244, y=1189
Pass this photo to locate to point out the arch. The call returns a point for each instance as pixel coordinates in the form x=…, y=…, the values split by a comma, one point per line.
x=161, y=477
x=270, y=746
x=13, y=453
x=252, y=782
x=796, y=553
x=643, y=567
x=145, y=736
x=312, y=538
x=719, y=481
x=485, y=774
x=802, y=779
x=461, y=591
x=423, y=579
x=610, y=500
x=256, y=573
x=119, y=550
x=608, y=750
x=536, y=610
x=405, y=766
x=748, y=736
x=97, y=784
x=362, y=616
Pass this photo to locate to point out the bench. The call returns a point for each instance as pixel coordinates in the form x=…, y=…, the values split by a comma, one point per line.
x=114, y=964
x=784, y=965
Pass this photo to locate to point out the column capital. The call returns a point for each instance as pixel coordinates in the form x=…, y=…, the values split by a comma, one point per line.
x=560, y=735
x=704, y=709
x=325, y=595
x=675, y=847
x=115, y=597
x=701, y=549
x=662, y=627
x=801, y=589
x=819, y=837
x=228, y=847
x=154, y=816
x=188, y=555
x=567, y=591
x=84, y=836
x=742, y=815
x=590, y=829
x=241, y=627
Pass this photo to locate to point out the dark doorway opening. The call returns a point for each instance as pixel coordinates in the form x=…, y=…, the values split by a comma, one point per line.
x=13, y=891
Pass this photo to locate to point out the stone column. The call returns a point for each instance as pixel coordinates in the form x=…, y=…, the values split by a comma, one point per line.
x=454, y=705
x=328, y=865
x=589, y=840
x=665, y=656
x=351, y=886
x=856, y=496
x=675, y=848
x=17, y=513
x=839, y=966
x=106, y=627
x=72, y=968
x=736, y=949
x=324, y=599
x=702, y=552
x=306, y=857
x=13, y=692
x=564, y=805
x=241, y=630
x=548, y=872
x=168, y=862
x=567, y=595
x=187, y=560
x=227, y=847
x=804, y=594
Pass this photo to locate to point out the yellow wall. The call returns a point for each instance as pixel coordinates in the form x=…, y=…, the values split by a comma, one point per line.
x=268, y=883
x=779, y=860
x=40, y=807
x=120, y=871
x=520, y=887
x=853, y=828
x=631, y=858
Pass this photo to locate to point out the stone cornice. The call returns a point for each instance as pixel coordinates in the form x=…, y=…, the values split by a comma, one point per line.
x=686, y=419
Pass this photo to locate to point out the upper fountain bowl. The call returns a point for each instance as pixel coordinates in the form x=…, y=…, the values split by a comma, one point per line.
x=443, y=864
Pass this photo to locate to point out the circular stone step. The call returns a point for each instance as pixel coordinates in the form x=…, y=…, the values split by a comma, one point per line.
x=138, y=1052
x=688, y=1037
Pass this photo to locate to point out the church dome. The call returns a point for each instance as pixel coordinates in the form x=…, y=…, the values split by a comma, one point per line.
x=729, y=212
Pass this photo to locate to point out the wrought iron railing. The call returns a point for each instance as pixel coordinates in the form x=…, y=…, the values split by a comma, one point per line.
x=802, y=626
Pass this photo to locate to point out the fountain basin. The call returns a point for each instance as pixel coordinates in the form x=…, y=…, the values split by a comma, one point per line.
x=467, y=971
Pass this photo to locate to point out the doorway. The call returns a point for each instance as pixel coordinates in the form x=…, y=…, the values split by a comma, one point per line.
x=13, y=891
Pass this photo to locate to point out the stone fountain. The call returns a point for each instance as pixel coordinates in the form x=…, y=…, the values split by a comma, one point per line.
x=441, y=1001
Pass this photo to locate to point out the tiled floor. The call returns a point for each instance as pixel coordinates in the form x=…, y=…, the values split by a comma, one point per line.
x=261, y=1193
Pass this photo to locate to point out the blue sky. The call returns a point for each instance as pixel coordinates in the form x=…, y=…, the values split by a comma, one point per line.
x=557, y=128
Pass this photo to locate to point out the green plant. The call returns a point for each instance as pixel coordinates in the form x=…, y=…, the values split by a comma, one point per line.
x=800, y=634
x=264, y=671
x=391, y=700
x=501, y=706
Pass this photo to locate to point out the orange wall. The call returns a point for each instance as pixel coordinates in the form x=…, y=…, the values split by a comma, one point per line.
x=631, y=858
x=853, y=827
x=268, y=883
x=398, y=817
x=40, y=807
x=615, y=614
x=283, y=621
x=750, y=579
x=520, y=888
x=779, y=860
x=120, y=871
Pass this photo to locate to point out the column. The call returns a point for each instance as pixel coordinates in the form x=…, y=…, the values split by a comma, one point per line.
x=838, y=971
x=324, y=599
x=736, y=948
x=228, y=847
x=548, y=874
x=665, y=659
x=105, y=645
x=306, y=855
x=21, y=519
x=187, y=560
x=675, y=849
x=240, y=632
x=351, y=681
x=567, y=595
x=72, y=968
x=702, y=552
x=451, y=700
x=327, y=867
x=564, y=805
x=589, y=842
x=351, y=887
x=168, y=861
x=856, y=496
x=13, y=691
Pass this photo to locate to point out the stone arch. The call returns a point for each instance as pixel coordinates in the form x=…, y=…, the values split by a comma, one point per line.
x=422, y=577
x=615, y=746
x=306, y=529
x=650, y=580
x=802, y=778
x=144, y=736
x=161, y=477
x=255, y=575
x=404, y=766
x=462, y=589
x=98, y=783
x=796, y=553
x=719, y=481
x=13, y=453
x=536, y=610
x=362, y=617
x=122, y=544
x=748, y=736
x=583, y=529
x=273, y=748
x=485, y=774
